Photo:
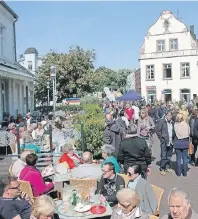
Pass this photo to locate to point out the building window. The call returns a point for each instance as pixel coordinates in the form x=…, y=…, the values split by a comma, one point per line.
x=173, y=44
x=1, y=39
x=30, y=65
x=167, y=69
x=185, y=70
x=150, y=72
x=185, y=95
x=160, y=45
x=167, y=95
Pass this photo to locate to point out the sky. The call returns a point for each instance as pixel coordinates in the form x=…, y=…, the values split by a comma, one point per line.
x=115, y=30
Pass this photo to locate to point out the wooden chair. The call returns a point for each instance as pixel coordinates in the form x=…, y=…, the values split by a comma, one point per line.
x=10, y=170
x=126, y=178
x=85, y=183
x=153, y=217
x=26, y=188
x=158, y=192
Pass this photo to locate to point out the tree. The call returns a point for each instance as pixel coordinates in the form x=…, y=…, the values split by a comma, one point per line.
x=74, y=71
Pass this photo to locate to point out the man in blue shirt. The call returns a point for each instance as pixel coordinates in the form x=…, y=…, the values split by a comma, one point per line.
x=12, y=206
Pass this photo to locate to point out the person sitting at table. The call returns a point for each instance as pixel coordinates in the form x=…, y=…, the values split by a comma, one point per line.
x=148, y=198
x=128, y=206
x=110, y=184
x=44, y=207
x=107, y=153
x=72, y=159
x=32, y=175
x=28, y=144
x=19, y=164
x=87, y=169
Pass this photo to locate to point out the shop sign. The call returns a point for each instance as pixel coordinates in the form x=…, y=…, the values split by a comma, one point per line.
x=151, y=87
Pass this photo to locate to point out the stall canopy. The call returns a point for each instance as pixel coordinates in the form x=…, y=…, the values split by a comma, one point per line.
x=130, y=96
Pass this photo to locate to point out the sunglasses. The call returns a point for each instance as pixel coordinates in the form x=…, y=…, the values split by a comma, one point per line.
x=104, y=171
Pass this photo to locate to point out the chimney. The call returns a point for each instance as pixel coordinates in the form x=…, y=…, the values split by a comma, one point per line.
x=192, y=29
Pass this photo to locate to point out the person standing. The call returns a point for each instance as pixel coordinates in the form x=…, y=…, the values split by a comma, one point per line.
x=166, y=134
x=129, y=111
x=181, y=144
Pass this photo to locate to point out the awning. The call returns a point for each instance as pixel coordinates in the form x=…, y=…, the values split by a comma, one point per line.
x=15, y=74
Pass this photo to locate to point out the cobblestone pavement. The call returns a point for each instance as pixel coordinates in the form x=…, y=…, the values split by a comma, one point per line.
x=167, y=182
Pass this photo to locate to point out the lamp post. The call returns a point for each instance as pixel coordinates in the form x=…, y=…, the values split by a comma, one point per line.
x=48, y=87
x=53, y=77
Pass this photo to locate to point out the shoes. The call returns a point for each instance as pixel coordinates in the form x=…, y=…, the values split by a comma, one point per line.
x=169, y=170
x=162, y=172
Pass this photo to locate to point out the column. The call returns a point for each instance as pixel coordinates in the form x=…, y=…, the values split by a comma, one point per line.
x=10, y=97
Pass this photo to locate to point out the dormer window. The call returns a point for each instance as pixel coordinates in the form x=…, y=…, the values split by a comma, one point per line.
x=30, y=65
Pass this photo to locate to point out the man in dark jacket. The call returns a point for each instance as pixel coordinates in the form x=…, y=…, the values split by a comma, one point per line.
x=134, y=151
x=112, y=133
x=110, y=184
x=160, y=113
x=166, y=134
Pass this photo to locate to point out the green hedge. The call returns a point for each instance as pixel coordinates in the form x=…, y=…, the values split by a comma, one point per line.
x=93, y=121
x=72, y=108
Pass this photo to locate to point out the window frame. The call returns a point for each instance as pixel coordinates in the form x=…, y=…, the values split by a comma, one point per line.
x=30, y=62
x=181, y=74
x=157, y=41
x=171, y=49
x=1, y=39
x=150, y=79
x=163, y=67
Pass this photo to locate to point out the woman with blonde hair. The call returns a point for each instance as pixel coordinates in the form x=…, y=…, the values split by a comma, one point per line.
x=184, y=112
x=128, y=206
x=181, y=144
x=146, y=127
x=43, y=208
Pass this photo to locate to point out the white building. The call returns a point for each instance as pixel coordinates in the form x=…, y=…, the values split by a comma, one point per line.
x=169, y=60
x=16, y=83
x=31, y=60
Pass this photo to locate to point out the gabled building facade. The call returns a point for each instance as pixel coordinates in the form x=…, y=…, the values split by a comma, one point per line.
x=16, y=83
x=169, y=61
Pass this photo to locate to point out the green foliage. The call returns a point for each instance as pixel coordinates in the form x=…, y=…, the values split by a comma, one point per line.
x=93, y=121
x=89, y=100
x=73, y=73
x=105, y=77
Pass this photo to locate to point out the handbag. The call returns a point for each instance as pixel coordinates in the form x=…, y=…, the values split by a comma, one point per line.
x=191, y=148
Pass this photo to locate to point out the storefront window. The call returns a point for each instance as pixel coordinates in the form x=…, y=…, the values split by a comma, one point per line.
x=167, y=95
x=151, y=96
x=185, y=95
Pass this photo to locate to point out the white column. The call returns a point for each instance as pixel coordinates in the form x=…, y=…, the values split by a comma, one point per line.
x=14, y=95
x=20, y=97
x=10, y=97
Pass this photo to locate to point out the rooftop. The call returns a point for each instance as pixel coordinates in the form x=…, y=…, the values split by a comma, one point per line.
x=31, y=50
x=9, y=9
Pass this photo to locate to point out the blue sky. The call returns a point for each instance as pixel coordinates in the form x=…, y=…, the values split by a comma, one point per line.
x=115, y=30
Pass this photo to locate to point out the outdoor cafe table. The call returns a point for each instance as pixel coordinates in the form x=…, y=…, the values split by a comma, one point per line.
x=71, y=214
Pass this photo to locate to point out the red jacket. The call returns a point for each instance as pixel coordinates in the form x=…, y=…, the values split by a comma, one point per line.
x=70, y=162
x=130, y=113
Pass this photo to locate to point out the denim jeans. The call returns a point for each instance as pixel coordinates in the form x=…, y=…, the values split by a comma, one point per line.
x=182, y=154
x=192, y=158
x=166, y=155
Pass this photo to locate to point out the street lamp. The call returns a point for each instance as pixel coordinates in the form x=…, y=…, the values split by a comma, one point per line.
x=48, y=87
x=53, y=77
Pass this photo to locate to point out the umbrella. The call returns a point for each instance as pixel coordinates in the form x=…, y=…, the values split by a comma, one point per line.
x=130, y=96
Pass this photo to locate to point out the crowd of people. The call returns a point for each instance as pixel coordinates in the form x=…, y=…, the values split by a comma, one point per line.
x=129, y=133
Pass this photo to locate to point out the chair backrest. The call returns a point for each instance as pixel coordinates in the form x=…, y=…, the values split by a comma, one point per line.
x=10, y=170
x=126, y=179
x=85, y=183
x=158, y=192
x=26, y=188
x=153, y=217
